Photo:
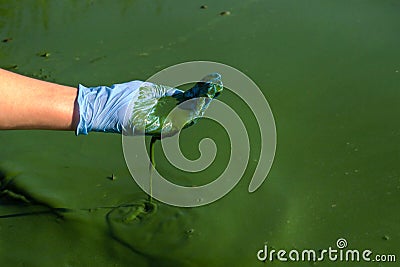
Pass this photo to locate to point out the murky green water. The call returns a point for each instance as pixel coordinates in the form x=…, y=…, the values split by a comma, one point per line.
x=330, y=71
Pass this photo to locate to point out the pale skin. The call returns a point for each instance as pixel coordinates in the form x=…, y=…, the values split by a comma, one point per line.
x=27, y=103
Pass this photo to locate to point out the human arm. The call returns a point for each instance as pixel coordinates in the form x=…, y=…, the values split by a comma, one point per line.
x=130, y=108
x=27, y=103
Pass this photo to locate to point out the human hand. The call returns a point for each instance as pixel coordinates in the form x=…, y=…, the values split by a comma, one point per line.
x=137, y=107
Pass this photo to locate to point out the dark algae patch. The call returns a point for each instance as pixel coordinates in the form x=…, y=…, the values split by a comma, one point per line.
x=44, y=54
x=225, y=13
x=7, y=40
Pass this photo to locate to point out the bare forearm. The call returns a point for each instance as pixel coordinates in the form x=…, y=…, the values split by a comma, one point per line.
x=27, y=103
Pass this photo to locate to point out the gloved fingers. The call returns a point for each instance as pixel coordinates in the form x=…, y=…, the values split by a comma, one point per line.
x=172, y=91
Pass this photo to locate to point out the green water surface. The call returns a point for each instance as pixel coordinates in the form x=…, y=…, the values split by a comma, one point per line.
x=330, y=71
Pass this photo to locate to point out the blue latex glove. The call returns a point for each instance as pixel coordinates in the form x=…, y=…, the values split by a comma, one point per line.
x=102, y=108
x=138, y=107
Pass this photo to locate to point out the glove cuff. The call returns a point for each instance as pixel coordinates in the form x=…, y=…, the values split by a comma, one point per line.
x=85, y=110
x=101, y=108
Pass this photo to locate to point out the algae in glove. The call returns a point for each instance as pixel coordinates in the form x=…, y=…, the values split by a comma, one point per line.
x=150, y=111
